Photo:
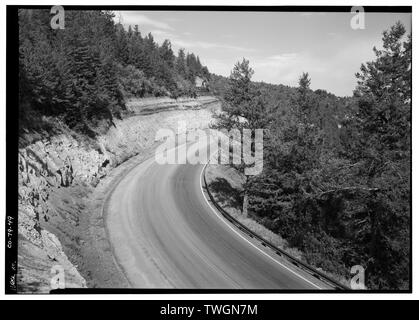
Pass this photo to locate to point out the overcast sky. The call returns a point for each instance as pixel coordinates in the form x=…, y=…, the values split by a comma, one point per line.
x=280, y=46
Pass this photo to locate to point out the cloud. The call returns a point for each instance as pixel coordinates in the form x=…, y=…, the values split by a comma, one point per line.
x=220, y=66
x=209, y=45
x=335, y=73
x=286, y=68
x=283, y=57
x=133, y=18
x=161, y=35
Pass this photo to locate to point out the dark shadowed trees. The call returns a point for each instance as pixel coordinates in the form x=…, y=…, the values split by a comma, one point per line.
x=336, y=178
x=81, y=74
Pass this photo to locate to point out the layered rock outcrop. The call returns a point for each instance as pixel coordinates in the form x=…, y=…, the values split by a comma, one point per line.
x=57, y=177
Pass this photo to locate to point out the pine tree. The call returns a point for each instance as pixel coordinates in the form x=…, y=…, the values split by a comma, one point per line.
x=384, y=128
x=243, y=108
x=166, y=53
x=181, y=68
x=122, y=49
x=303, y=93
x=388, y=77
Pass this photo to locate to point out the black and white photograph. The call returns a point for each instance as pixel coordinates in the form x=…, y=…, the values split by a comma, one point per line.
x=208, y=149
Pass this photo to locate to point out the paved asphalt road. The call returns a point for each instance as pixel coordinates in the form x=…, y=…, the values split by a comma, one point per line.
x=165, y=234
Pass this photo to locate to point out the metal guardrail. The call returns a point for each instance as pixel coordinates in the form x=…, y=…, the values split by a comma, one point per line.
x=172, y=106
x=302, y=265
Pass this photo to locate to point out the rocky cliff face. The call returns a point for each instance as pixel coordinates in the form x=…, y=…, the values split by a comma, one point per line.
x=57, y=180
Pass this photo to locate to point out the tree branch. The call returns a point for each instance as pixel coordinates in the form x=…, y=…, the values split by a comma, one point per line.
x=348, y=189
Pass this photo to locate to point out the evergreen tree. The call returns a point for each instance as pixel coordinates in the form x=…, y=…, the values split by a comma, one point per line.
x=121, y=42
x=166, y=53
x=181, y=68
x=303, y=101
x=383, y=130
x=243, y=108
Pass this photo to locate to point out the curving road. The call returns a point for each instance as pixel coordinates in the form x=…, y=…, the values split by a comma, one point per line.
x=165, y=234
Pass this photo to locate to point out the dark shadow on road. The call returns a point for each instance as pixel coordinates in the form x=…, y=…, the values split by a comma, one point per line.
x=225, y=194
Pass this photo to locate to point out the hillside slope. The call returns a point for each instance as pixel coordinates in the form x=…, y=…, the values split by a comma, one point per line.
x=62, y=182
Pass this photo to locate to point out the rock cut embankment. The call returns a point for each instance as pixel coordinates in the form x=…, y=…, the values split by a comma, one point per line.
x=63, y=181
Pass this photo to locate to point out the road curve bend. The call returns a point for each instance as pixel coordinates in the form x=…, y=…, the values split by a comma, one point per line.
x=165, y=234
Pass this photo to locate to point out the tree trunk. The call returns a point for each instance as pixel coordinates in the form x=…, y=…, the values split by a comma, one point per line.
x=245, y=200
x=245, y=203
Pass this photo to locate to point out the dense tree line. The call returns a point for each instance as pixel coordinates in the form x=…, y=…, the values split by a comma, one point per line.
x=83, y=73
x=336, y=178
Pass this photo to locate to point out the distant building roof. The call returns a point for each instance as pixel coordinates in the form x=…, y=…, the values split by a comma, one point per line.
x=200, y=82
